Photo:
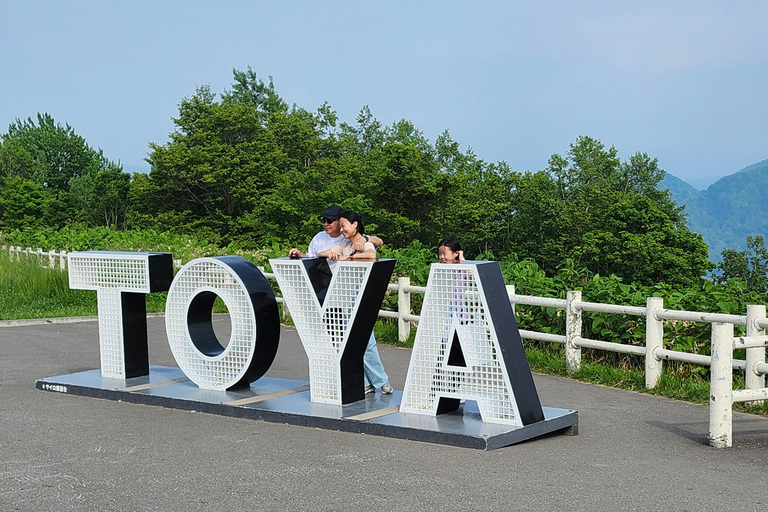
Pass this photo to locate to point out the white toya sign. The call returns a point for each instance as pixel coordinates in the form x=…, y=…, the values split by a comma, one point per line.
x=467, y=344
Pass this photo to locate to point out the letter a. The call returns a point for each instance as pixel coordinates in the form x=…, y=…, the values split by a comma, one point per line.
x=468, y=347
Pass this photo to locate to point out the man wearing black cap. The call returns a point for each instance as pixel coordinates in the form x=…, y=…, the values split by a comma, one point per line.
x=330, y=236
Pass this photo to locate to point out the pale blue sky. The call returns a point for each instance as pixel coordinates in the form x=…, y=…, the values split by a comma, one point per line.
x=681, y=81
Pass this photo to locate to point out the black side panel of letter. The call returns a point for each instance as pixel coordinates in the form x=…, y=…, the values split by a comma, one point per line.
x=512, y=350
x=160, y=272
x=135, y=349
x=319, y=276
x=267, y=317
x=352, y=373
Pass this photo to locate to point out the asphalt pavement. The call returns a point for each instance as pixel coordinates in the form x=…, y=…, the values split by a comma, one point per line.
x=64, y=452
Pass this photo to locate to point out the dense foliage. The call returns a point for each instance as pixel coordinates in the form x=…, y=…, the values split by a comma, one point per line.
x=50, y=176
x=246, y=169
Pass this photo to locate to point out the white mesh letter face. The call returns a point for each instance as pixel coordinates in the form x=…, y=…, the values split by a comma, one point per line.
x=456, y=308
x=117, y=278
x=324, y=329
x=188, y=322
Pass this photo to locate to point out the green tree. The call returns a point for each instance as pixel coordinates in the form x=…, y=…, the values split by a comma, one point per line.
x=405, y=187
x=641, y=175
x=24, y=204
x=57, y=162
x=639, y=242
x=248, y=89
x=59, y=152
x=749, y=265
x=240, y=168
x=216, y=166
x=539, y=222
x=102, y=197
x=16, y=160
x=476, y=199
x=608, y=216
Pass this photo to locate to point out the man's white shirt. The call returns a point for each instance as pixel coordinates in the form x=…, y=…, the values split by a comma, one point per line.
x=323, y=242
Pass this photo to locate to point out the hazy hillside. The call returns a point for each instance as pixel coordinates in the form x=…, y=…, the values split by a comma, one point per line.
x=728, y=210
x=681, y=190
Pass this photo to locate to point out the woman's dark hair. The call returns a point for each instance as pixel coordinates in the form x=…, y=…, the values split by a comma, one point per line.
x=450, y=242
x=353, y=216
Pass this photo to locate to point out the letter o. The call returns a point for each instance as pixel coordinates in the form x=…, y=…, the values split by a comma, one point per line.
x=253, y=314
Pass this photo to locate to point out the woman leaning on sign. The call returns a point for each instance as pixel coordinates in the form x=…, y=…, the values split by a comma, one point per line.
x=351, y=225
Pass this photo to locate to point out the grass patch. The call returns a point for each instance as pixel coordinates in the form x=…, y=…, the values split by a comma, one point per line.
x=688, y=389
x=386, y=332
x=28, y=290
x=596, y=373
x=549, y=359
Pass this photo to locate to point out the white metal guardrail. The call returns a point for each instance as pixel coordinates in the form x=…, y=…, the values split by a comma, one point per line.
x=51, y=259
x=723, y=343
x=722, y=396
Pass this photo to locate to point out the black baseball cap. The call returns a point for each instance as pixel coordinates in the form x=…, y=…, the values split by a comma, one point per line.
x=333, y=212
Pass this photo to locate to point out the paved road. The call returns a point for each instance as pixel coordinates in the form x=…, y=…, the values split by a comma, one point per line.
x=65, y=452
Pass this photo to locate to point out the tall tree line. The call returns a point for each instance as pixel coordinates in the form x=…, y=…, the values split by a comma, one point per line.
x=245, y=167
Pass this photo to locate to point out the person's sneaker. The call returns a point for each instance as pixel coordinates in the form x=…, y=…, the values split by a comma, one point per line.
x=386, y=389
x=369, y=389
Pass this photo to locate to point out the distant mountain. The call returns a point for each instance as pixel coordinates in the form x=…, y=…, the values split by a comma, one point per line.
x=681, y=190
x=728, y=210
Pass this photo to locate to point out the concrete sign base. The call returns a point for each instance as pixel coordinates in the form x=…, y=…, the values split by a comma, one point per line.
x=288, y=401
